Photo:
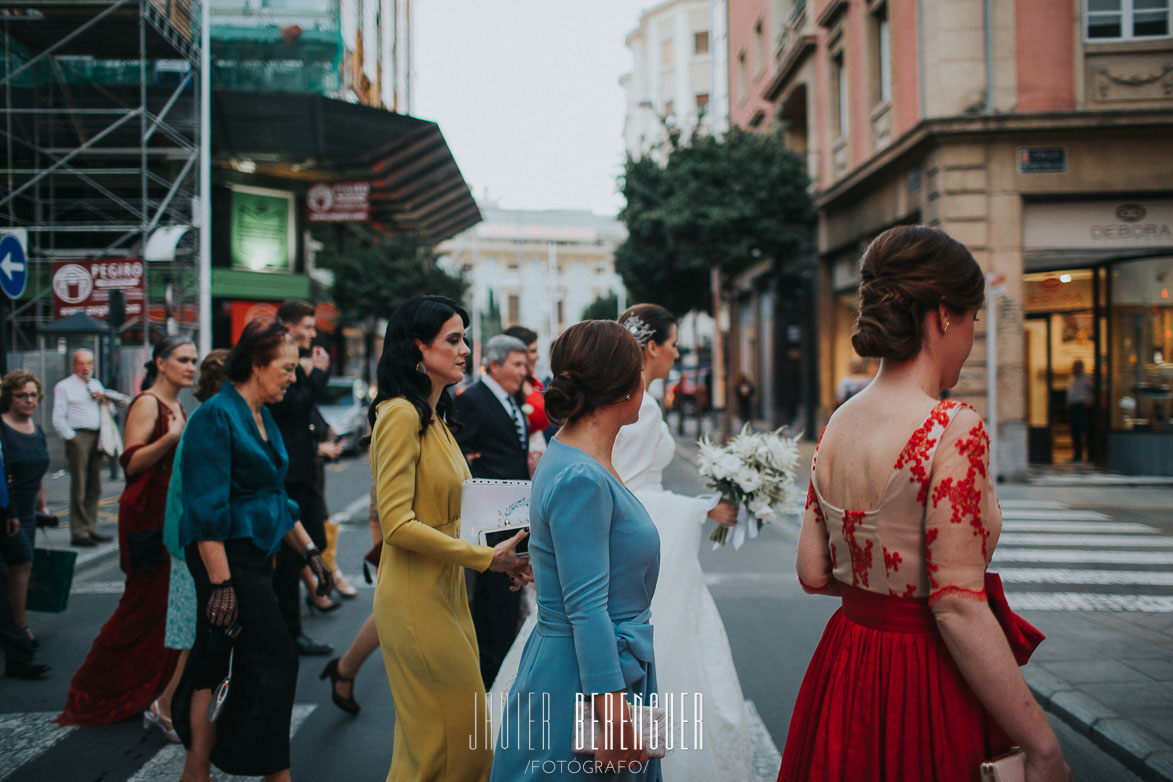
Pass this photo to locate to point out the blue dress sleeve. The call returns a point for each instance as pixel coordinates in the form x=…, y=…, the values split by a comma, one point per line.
x=579, y=513
x=206, y=464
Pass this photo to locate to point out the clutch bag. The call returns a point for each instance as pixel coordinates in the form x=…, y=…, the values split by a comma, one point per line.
x=488, y=505
x=220, y=694
x=1010, y=767
x=652, y=721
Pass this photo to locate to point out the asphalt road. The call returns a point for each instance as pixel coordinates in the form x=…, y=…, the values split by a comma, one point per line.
x=773, y=628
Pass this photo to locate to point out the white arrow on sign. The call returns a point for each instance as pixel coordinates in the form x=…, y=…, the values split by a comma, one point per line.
x=9, y=266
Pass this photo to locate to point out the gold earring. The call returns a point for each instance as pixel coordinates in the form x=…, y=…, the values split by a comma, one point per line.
x=946, y=331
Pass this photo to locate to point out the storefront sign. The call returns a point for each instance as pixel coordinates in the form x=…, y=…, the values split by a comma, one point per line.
x=1098, y=225
x=244, y=311
x=84, y=286
x=262, y=229
x=338, y=202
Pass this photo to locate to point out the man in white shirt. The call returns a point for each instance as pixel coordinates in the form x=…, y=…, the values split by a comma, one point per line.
x=77, y=418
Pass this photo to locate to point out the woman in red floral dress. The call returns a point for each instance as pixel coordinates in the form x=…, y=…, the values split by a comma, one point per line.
x=916, y=676
x=128, y=667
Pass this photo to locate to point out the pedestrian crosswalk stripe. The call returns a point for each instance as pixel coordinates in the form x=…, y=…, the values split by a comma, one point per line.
x=1073, y=576
x=1080, y=556
x=24, y=737
x=1097, y=541
x=1088, y=601
x=1038, y=504
x=1118, y=527
x=116, y=587
x=167, y=763
x=1054, y=515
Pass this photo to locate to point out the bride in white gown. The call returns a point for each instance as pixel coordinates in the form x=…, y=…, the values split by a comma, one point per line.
x=692, y=650
x=691, y=647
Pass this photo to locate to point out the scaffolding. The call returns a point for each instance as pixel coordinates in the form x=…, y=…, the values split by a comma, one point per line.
x=99, y=117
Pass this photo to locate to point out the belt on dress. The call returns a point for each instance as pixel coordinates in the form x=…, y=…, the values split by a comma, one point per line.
x=633, y=637
x=886, y=612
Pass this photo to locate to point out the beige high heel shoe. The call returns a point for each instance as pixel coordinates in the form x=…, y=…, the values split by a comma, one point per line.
x=343, y=587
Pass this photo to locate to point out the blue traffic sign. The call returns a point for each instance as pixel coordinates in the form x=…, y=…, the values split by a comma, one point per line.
x=14, y=268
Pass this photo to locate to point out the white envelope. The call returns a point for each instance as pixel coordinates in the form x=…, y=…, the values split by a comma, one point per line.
x=487, y=504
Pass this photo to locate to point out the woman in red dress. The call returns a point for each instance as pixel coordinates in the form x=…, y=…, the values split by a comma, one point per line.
x=128, y=667
x=916, y=676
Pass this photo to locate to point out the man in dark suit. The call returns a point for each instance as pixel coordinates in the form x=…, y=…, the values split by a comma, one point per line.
x=495, y=440
x=294, y=417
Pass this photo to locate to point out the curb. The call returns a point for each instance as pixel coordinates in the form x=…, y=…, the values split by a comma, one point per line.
x=1147, y=755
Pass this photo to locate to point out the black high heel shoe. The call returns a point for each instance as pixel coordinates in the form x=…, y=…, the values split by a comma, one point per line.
x=309, y=601
x=347, y=704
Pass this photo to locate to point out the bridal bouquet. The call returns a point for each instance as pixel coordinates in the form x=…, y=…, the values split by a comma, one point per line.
x=754, y=470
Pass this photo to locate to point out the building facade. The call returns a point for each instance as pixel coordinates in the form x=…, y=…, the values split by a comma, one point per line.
x=1038, y=133
x=540, y=269
x=677, y=76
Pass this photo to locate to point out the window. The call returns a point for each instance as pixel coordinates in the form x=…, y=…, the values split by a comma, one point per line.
x=514, y=308
x=839, y=90
x=702, y=101
x=669, y=108
x=883, y=49
x=742, y=78
x=759, y=48
x=700, y=43
x=666, y=51
x=561, y=312
x=1127, y=19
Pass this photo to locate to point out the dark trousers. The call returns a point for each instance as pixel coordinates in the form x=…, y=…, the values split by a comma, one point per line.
x=287, y=573
x=18, y=647
x=1081, y=431
x=495, y=617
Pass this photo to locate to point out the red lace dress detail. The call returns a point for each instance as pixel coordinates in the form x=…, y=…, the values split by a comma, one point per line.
x=882, y=698
x=128, y=666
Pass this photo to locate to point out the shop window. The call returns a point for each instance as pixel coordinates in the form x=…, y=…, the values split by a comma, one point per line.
x=1125, y=20
x=1142, y=345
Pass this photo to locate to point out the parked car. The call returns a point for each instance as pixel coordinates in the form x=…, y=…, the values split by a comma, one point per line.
x=345, y=410
x=687, y=389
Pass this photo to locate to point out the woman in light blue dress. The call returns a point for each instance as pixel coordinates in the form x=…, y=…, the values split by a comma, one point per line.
x=595, y=556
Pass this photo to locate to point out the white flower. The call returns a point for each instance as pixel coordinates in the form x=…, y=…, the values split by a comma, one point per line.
x=728, y=465
x=749, y=480
x=761, y=508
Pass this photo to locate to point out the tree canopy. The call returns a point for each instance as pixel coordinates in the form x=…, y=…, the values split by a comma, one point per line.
x=372, y=277
x=724, y=202
x=602, y=308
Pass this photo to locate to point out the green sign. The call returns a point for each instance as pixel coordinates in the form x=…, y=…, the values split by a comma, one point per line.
x=262, y=230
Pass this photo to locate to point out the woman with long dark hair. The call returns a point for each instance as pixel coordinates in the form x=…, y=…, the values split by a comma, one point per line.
x=421, y=605
x=128, y=669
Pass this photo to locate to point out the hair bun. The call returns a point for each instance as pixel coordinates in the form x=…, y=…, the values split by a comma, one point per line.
x=565, y=397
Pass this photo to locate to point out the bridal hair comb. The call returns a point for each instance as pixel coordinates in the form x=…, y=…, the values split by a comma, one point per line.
x=639, y=329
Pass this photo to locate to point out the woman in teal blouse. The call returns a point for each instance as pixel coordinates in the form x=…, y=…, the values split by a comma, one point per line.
x=235, y=515
x=595, y=556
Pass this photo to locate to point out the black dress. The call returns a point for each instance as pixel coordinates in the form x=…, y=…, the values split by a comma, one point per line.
x=25, y=460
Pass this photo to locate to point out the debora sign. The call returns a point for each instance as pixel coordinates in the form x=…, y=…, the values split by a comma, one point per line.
x=1098, y=225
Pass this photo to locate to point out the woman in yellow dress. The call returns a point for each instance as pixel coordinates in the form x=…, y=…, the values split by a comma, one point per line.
x=421, y=606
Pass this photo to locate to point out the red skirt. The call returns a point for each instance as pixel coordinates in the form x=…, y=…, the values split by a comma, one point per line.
x=883, y=700
x=127, y=666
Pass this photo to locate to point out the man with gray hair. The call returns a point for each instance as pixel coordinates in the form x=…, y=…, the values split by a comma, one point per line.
x=495, y=440
x=77, y=410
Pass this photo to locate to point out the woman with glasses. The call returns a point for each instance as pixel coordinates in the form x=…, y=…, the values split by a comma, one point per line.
x=25, y=461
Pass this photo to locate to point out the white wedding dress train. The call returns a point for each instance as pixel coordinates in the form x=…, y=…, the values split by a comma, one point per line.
x=692, y=649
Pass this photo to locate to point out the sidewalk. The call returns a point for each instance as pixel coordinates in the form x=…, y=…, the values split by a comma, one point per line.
x=1107, y=674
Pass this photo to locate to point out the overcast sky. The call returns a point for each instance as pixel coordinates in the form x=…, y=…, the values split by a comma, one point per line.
x=527, y=95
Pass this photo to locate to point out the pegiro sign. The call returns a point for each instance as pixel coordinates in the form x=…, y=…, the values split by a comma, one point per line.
x=84, y=286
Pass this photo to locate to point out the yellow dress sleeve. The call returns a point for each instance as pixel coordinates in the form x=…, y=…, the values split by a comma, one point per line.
x=395, y=454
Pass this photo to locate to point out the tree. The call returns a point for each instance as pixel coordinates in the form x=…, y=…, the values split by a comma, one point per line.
x=724, y=202
x=371, y=278
x=374, y=275
x=602, y=308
